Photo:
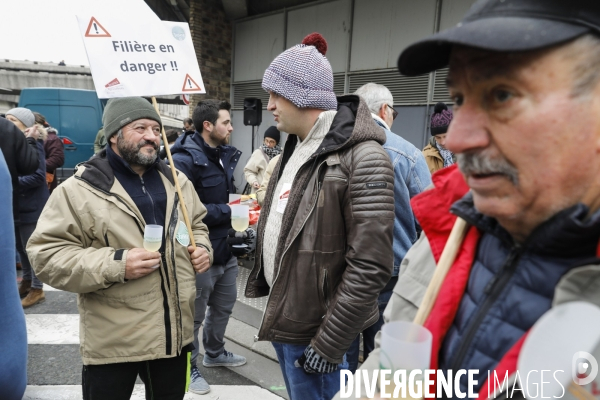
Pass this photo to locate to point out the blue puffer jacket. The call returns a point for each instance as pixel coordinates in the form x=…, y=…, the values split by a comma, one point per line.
x=33, y=190
x=511, y=286
x=213, y=183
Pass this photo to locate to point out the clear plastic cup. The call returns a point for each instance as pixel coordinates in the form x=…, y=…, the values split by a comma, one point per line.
x=153, y=238
x=405, y=345
x=235, y=198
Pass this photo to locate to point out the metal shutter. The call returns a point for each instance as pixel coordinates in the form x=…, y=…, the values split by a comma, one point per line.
x=406, y=90
x=440, y=91
x=248, y=89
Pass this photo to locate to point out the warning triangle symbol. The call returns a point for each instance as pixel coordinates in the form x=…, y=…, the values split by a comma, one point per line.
x=94, y=29
x=189, y=85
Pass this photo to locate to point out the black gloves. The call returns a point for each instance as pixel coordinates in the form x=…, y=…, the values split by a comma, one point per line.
x=313, y=363
x=248, y=237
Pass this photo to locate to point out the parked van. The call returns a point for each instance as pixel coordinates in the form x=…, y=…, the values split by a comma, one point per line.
x=75, y=113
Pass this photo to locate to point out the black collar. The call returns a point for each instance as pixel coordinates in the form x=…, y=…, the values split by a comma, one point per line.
x=568, y=233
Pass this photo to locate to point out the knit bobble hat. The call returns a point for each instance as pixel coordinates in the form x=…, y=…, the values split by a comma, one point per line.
x=124, y=110
x=24, y=115
x=440, y=119
x=303, y=75
x=273, y=133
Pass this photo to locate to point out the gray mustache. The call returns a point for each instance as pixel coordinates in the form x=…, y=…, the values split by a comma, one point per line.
x=476, y=163
x=145, y=142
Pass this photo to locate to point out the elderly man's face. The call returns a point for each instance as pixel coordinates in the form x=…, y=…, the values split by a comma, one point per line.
x=527, y=147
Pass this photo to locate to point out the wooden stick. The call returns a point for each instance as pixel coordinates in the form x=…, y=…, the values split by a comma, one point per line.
x=579, y=392
x=446, y=260
x=172, y=165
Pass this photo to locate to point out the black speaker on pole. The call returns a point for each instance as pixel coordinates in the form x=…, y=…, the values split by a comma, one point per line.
x=252, y=111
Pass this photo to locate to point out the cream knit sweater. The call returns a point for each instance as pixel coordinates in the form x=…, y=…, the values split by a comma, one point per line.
x=301, y=154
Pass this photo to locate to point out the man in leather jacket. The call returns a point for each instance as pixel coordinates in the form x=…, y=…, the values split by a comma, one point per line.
x=324, y=242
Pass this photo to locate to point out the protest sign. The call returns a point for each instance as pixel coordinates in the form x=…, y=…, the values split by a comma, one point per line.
x=138, y=58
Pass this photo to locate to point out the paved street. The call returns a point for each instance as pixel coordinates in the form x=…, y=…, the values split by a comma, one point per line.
x=54, y=365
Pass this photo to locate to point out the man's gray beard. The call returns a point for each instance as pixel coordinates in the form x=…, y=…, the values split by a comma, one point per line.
x=476, y=163
x=133, y=154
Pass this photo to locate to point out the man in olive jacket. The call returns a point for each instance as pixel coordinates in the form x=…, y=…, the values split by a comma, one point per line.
x=136, y=307
x=324, y=245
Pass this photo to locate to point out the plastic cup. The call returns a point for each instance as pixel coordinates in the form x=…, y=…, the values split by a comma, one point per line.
x=405, y=345
x=234, y=198
x=240, y=219
x=153, y=238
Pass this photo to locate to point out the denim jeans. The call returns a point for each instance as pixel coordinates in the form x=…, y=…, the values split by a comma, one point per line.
x=299, y=384
x=216, y=293
x=370, y=332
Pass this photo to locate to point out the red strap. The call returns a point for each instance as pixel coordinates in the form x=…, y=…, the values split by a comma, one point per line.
x=452, y=290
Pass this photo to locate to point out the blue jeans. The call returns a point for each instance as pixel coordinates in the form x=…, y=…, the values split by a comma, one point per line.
x=299, y=384
x=216, y=293
x=369, y=333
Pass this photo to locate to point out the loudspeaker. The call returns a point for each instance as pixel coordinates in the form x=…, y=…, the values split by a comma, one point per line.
x=252, y=111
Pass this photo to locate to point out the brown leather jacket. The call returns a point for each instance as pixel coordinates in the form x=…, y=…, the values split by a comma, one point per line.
x=334, y=253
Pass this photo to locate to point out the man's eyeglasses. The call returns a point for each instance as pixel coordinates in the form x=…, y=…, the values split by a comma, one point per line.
x=394, y=112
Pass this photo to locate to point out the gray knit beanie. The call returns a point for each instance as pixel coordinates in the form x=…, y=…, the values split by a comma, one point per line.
x=24, y=115
x=124, y=110
x=303, y=75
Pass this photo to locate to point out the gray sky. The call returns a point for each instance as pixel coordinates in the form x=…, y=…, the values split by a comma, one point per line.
x=47, y=30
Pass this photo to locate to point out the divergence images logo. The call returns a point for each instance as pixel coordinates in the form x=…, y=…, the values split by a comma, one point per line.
x=584, y=368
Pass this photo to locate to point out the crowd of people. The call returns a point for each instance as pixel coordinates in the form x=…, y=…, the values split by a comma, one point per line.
x=352, y=222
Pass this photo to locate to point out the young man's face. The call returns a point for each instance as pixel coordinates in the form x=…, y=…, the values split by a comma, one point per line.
x=527, y=147
x=286, y=114
x=221, y=130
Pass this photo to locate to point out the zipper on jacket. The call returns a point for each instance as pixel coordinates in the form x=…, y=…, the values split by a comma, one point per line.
x=493, y=289
x=172, y=226
x=288, y=247
x=149, y=195
x=325, y=288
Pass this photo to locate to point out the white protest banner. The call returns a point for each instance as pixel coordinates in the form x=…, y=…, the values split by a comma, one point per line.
x=140, y=58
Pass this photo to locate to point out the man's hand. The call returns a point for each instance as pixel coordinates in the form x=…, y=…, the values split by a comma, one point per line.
x=140, y=263
x=200, y=259
x=234, y=238
x=32, y=132
x=256, y=185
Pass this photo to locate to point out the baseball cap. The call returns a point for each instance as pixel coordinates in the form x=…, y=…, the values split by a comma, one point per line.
x=505, y=25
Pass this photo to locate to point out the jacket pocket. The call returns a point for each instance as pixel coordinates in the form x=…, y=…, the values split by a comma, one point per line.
x=303, y=296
